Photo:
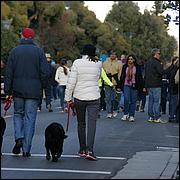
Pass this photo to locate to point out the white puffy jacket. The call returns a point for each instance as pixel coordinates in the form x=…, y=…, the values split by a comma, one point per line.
x=60, y=77
x=83, y=80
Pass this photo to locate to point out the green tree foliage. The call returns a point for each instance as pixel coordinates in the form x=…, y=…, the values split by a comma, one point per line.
x=18, y=14
x=109, y=38
x=158, y=8
x=5, y=10
x=8, y=41
x=161, y=6
x=64, y=27
x=142, y=31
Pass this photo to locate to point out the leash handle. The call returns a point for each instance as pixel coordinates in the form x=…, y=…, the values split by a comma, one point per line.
x=68, y=118
x=70, y=107
x=7, y=103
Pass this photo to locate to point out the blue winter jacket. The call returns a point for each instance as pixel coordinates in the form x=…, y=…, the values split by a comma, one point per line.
x=26, y=71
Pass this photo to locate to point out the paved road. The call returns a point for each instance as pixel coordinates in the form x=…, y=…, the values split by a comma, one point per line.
x=116, y=144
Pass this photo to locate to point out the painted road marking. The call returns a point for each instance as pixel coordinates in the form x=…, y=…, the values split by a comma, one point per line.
x=68, y=156
x=168, y=148
x=173, y=136
x=56, y=170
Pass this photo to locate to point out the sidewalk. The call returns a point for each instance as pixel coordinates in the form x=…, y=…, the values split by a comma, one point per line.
x=151, y=165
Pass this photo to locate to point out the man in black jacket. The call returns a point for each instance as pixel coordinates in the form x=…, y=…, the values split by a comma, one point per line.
x=26, y=74
x=153, y=82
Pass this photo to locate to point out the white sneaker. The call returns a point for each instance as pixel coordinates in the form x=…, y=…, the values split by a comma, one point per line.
x=114, y=114
x=131, y=118
x=109, y=115
x=124, y=118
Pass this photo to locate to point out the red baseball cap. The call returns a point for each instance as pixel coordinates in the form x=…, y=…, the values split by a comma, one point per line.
x=28, y=33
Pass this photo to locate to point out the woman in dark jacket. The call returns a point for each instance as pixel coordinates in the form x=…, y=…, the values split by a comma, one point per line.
x=130, y=82
x=173, y=92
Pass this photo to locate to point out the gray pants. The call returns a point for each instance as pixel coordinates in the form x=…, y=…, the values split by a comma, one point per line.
x=92, y=108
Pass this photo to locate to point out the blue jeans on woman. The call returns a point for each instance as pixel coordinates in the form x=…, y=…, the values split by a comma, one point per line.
x=130, y=98
x=25, y=112
x=154, y=103
x=61, y=92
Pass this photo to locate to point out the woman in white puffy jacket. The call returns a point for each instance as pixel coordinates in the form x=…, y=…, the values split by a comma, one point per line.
x=83, y=86
x=61, y=77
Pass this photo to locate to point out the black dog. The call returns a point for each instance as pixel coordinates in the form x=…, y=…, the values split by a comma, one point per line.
x=54, y=139
x=3, y=127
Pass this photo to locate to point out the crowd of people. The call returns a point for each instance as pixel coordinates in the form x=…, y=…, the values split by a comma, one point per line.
x=117, y=84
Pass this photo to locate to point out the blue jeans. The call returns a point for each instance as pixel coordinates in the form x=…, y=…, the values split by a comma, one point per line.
x=154, y=103
x=110, y=94
x=121, y=102
x=61, y=92
x=130, y=98
x=173, y=103
x=25, y=111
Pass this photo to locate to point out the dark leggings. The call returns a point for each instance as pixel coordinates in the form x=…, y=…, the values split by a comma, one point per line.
x=92, y=108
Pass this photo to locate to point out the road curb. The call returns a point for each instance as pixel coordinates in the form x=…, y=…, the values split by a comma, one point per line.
x=150, y=165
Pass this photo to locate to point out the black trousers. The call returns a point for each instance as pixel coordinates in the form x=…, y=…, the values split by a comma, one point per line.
x=86, y=142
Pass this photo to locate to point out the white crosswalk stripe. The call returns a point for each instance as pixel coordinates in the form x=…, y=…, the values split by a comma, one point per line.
x=67, y=156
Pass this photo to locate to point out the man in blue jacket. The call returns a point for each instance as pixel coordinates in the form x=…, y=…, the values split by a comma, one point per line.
x=26, y=74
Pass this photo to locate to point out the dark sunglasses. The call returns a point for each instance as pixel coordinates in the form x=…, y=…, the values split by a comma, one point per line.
x=159, y=53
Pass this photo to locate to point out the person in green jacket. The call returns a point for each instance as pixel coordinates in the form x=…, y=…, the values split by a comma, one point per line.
x=101, y=86
x=104, y=78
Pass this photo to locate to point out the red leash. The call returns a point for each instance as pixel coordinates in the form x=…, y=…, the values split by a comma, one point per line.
x=7, y=103
x=70, y=107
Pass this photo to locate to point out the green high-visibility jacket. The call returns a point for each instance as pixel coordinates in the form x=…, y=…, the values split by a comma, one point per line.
x=104, y=78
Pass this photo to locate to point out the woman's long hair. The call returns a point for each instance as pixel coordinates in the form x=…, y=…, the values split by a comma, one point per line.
x=63, y=64
x=134, y=57
x=130, y=66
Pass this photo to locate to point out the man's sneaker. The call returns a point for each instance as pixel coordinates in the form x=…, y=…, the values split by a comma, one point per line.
x=17, y=147
x=124, y=118
x=91, y=156
x=157, y=120
x=131, y=119
x=114, y=114
x=160, y=121
x=150, y=119
x=109, y=115
x=82, y=153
